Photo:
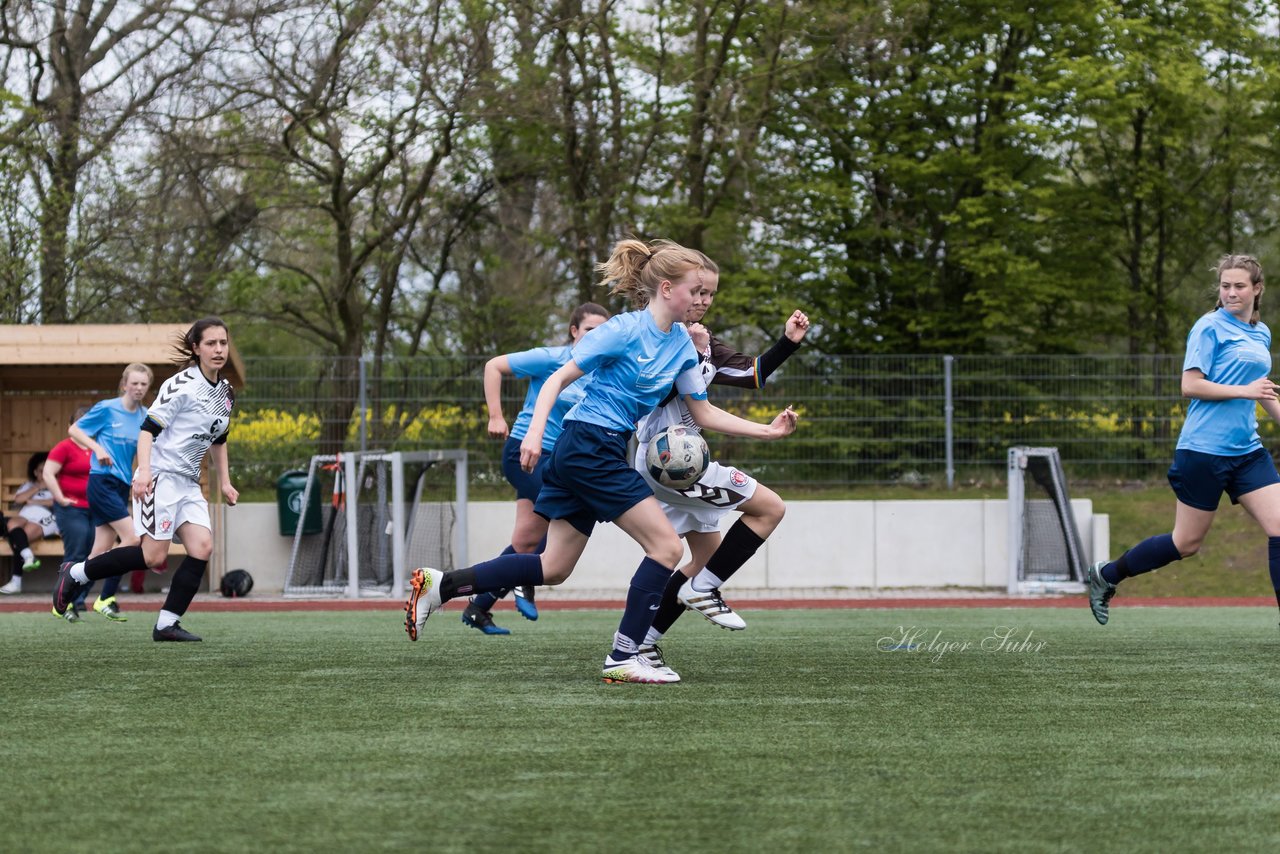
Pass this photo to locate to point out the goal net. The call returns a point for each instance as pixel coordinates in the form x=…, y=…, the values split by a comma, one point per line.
x=384, y=514
x=1045, y=549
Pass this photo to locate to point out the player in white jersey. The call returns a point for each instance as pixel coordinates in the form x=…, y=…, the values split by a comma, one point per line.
x=695, y=512
x=190, y=418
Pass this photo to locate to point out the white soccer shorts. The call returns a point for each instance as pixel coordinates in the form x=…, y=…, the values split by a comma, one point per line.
x=700, y=507
x=42, y=517
x=173, y=502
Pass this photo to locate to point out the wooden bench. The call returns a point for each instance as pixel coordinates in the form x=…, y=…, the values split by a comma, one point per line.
x=48, y=547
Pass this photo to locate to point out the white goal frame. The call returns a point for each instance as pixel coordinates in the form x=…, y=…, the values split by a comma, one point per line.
x=1018, y=458
x=400, y=527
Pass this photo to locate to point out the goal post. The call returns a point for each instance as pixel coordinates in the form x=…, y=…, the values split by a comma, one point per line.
x=388, y=512
x=1046, y=553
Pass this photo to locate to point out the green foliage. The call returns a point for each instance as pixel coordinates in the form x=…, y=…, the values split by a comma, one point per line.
x=967, y=177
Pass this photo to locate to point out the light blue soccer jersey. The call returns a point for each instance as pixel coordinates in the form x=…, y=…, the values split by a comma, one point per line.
x=116, y=429
x=1229, y=352
x=631, y=365
x=538, y=364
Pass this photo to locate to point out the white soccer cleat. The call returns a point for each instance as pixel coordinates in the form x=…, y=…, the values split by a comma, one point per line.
x=710, y=605
x=14, y=586
x=636, y=669
x=424, y=599
x=651, y=654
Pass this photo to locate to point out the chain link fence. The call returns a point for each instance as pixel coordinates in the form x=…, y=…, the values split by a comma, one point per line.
x=917, y=420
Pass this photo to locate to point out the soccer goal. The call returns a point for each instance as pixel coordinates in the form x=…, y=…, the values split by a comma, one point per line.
x=388, y=513
x=1045, y=550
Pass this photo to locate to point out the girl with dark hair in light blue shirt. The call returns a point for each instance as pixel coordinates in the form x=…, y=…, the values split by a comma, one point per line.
x=530, y=531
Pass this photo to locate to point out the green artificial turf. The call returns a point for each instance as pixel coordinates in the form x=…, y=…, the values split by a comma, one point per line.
x=814, y=730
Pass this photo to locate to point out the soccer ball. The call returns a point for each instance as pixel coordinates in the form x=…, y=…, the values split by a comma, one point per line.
x=236, y=583
x=677, y=457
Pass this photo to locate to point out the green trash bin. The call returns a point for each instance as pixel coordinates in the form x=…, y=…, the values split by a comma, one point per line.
x=290, y=488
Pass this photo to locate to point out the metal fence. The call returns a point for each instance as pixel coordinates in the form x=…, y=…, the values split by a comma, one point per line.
x=938, y=420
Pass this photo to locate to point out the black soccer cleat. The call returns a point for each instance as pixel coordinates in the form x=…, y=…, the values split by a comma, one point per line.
x=174, y=633
x=477, y=618
x=65, y=590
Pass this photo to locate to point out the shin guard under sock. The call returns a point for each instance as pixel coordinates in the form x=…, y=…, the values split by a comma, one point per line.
x=185, y=583
x=1152, y=553
x=737, y=548
x=486, y=601
x=117, y=562
x=669, y=609
x=643, y=598
x=501, y=573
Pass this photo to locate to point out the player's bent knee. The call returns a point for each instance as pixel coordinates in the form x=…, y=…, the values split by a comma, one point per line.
x=156, y=556
x=525, y=546
x=668, y=555
x=551, y=576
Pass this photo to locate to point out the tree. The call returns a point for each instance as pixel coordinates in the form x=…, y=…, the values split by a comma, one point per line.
x=86, y=72
x=914, y=200
x=1176, y=161
x=350, y=118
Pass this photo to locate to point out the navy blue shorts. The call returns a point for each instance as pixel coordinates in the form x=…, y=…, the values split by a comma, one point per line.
x=589, y=478
x=1200, y=479
x=108, y=499
x=527, y=484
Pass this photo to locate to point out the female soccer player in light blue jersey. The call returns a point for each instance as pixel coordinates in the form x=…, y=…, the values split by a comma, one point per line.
x=530, y=529
x=633, y=359
x=110, y=430
x=1225, y=375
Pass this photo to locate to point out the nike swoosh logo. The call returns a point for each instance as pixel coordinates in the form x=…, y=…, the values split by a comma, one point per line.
x=653, y=607
x=642, y=360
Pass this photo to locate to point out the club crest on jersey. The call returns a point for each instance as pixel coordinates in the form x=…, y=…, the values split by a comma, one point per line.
x=165, y=524
x=737, y=478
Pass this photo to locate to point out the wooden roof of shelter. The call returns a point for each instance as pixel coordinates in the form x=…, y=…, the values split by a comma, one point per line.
x=67, y=357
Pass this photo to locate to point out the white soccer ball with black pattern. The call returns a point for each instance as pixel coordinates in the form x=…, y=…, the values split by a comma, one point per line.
x=677, y=457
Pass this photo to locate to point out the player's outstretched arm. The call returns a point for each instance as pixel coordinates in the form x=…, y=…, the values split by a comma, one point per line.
x=531, y=447
x=708, y=416
x=494, y=370
x=743, y=371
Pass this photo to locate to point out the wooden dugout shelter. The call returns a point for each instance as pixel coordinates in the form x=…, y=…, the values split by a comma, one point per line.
x=47, y=371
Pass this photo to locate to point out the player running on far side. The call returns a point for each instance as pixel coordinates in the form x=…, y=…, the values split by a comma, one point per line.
x=530, y=532
x=110, y=430
x=633, y=358
x=190, y=418
x=1224, y=373
x=695, y=512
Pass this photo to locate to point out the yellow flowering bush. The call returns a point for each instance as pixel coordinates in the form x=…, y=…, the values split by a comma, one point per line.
x=265, y=430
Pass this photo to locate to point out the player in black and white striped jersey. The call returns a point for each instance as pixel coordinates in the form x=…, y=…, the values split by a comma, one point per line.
x=189, y=419
x=695, y=512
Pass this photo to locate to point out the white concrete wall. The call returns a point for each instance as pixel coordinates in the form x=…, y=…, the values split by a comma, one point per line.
x=821, y=544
